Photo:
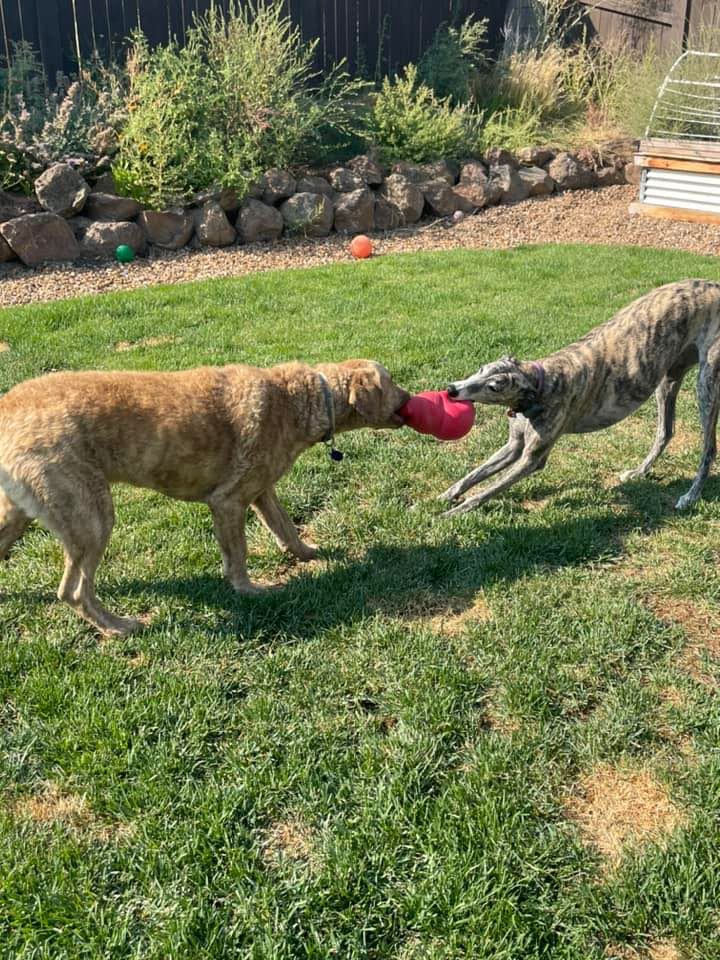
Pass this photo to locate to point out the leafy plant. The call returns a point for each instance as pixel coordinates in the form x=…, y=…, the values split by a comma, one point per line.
x=409, y=122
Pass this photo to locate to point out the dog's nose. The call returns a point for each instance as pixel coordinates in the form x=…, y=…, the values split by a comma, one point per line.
x=453, y=390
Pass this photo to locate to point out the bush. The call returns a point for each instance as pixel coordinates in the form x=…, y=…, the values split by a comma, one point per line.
x=37, y=128
x=408, y=122
x=453, y=59
x=241, y=96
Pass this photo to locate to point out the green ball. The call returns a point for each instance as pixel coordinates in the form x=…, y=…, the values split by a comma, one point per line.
x=124, y=253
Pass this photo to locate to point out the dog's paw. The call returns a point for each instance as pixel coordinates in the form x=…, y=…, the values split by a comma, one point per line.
x=465, y=507
x=118, y=627
x=248, y=589
x=452, y=493
x=306, y=552
x=685, y=501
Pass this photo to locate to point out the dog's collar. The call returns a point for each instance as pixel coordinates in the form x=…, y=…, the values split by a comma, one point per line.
x=540, y=370
x=328, y=438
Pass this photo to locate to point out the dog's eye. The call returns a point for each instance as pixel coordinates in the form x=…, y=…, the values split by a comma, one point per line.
x=493, y=385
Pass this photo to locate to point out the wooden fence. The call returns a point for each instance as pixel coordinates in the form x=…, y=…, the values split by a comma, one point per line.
x=668, y=24
x=374, y=36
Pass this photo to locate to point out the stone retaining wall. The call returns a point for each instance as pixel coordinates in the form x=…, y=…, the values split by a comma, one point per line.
x=70, y=220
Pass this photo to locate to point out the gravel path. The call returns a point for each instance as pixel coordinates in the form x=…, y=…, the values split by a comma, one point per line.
x=585, y=216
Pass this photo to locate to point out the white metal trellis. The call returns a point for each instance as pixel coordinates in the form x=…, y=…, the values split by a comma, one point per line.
x=672, y=111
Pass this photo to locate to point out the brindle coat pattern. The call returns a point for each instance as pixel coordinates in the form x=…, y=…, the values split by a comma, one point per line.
x=601, y=379
x=221, y=435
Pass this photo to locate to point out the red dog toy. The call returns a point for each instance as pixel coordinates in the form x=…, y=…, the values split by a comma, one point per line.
x=435, y=413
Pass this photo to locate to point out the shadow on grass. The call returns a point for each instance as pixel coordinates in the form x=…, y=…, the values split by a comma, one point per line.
x=416, y=580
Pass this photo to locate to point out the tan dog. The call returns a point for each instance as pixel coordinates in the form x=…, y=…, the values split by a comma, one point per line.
x=222, y=435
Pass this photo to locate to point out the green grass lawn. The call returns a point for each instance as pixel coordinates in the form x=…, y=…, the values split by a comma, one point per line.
x=386, y=758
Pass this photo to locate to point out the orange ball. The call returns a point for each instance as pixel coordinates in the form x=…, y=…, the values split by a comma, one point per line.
x=361, y=247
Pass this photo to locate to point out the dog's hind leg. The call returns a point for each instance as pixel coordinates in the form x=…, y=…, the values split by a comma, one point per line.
x=708, y=395
x=273, y=515
x=13, y=524
x=666, y=397
x=84, y=532
x=505, y=457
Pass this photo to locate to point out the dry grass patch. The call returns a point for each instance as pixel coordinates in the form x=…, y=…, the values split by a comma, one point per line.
x=615, y=807
x=655, y=950
x=4, y=346
x=124, y=345
x=444, y=613
x=454, y=618
x=700, y=625
x=290, y=839
x=53, y=805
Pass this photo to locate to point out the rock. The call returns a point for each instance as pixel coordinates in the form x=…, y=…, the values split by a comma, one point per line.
x=308, y=213
x=406, y=196
x=102, y=238
x=61, y=190
x=537, y=180
x=499, y=157
x=473, y=171
x=508, y=180
x=476, y=187
x=443, y=200
x=106, y=206
x=535, y=156
x=370, y=171
x=13, y=205
x=443, y=170
x=312, y=184
x=632, y=174
x=421, y=173
x=412, y=172
x=278, y=185
x=229, y=200
x=611, y=174
x=259, y=221
x=355, y=212
x=6, y=252
x=570, y=173
x=212, y=227
x=36, y=237
x=105, y=183
x=169, y=229
x=79, y=225
x=345, y=181
x=388, y=215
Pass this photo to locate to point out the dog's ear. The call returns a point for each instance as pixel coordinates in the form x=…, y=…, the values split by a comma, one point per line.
x=365, y=394
x=512, y=360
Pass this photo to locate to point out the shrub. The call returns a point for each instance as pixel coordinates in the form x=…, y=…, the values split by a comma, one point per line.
x=453, y=59
x=408, y=122
x=37, y=127
x=241, y=96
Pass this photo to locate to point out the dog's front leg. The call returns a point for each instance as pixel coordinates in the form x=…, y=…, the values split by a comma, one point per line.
x=505, y=457
x=229, y=515
x=533, y=459
x=273, y=515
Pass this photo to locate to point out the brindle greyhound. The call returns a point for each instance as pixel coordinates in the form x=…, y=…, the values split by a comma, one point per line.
x=649, y=345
